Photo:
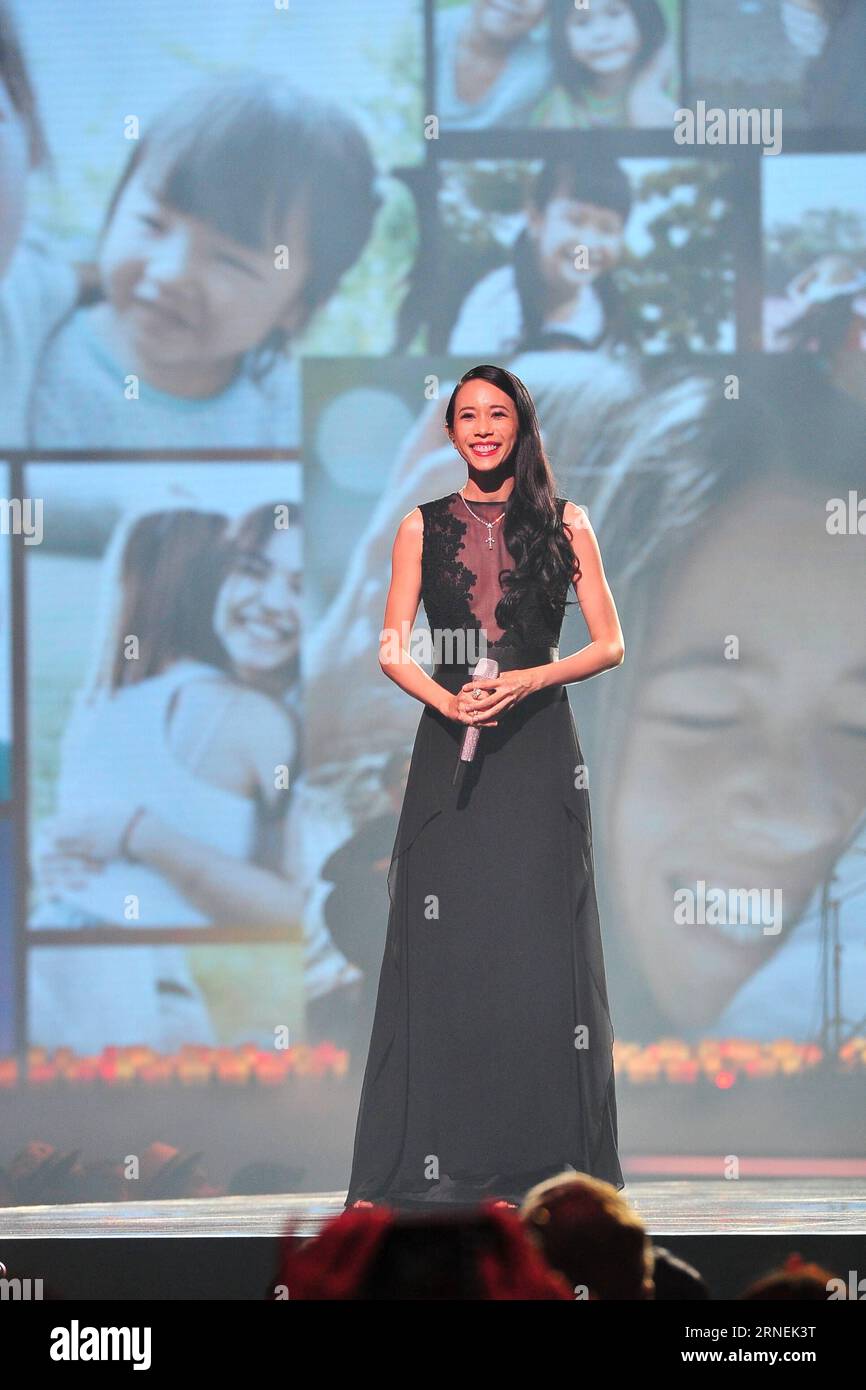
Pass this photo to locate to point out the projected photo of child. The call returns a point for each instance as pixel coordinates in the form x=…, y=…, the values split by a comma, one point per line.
x=194, y=650
x=555, y=64
x=164, y=808
x=581, y=252
x=239, y=210
x=614, y=65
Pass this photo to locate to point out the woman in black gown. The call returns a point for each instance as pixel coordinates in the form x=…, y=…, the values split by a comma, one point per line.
x=490, y=1064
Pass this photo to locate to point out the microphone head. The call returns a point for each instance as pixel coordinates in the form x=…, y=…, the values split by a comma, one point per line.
x=486, y=670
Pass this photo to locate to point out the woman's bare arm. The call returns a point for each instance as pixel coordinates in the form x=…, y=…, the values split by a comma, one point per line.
x=401, y=608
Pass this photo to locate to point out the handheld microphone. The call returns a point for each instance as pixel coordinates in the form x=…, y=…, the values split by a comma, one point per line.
x=486, y=670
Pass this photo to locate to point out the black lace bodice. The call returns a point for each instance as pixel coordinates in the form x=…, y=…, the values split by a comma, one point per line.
x=460, y=575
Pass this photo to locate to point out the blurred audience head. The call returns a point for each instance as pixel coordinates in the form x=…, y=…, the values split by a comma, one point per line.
x=374, y=1253
x=796, y=1281
x=588, y=1231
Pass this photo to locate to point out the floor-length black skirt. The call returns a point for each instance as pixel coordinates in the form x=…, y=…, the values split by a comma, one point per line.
x=490, y=1064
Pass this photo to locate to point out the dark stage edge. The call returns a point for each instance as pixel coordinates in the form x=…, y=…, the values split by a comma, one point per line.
x=164, y=1250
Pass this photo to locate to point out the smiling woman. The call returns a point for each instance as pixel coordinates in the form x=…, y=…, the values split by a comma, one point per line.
x=490, y=1063
x=485, y=422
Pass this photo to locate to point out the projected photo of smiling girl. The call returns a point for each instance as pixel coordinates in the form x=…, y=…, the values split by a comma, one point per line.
x=166, y=791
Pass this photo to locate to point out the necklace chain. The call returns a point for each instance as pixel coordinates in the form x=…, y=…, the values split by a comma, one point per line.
x=489, y=524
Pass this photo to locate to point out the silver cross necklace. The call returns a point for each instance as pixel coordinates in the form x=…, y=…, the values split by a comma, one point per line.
x=489, y=524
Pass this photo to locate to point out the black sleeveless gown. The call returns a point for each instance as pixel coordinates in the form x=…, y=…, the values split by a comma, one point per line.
x=490, y=1064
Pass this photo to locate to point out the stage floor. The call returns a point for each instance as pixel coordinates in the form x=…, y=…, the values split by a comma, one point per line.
x=695, y=1207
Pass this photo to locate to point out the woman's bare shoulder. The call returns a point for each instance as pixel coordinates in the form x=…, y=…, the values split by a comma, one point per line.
x=411, y=529
x=573, y=514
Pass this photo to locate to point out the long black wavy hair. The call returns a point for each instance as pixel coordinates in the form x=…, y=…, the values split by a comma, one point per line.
x=544, y=562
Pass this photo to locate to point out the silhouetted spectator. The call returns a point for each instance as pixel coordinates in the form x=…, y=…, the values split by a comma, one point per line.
x=795, y=1281
x=587, y=1230
x=372, y=1253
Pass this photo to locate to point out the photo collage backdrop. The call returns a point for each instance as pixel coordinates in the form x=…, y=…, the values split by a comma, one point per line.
x=249, y=252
